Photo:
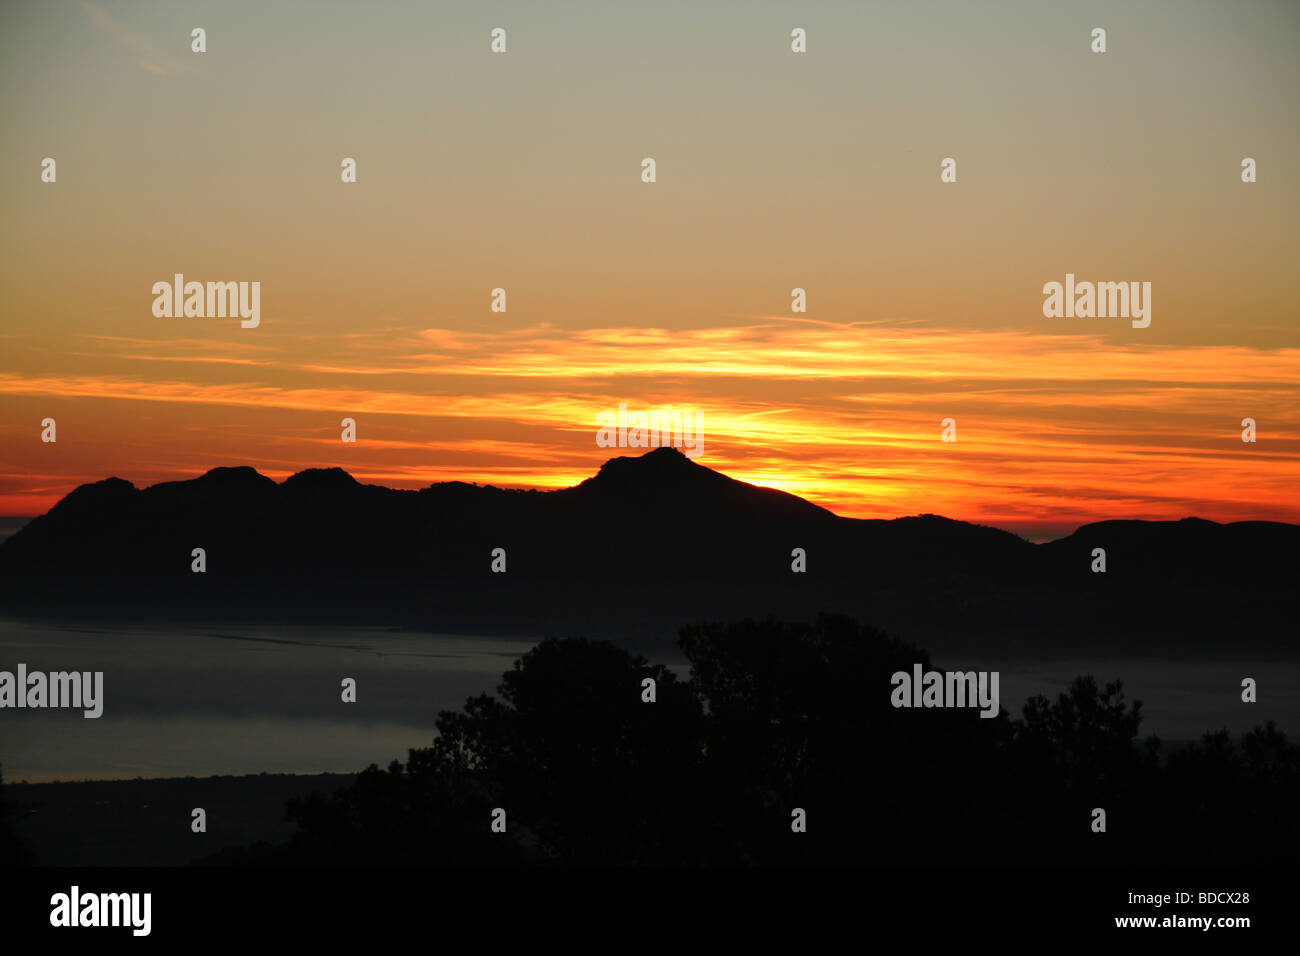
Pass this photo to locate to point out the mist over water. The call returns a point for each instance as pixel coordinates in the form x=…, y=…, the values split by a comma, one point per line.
x=197, y=700
x=205, y=699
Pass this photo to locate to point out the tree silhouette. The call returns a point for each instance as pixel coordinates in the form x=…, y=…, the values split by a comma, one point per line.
x=783, y=715
x=1086, y=736
x=586, y=770
x=799, y=715
x=13, y=850
x=1230, y=803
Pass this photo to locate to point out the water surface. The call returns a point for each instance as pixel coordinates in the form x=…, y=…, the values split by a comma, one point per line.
x=183, y=700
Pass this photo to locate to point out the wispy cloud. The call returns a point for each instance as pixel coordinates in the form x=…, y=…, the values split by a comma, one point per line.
x=146, y=53
x=847, y=415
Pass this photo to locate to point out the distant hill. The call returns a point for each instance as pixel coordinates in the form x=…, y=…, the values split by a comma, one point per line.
x=645, y=545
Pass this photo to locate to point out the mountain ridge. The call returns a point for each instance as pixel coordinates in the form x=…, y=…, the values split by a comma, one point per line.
x=647, y=544
x=334, y=477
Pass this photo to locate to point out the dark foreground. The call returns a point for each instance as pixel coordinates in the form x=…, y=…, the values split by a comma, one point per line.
x=148, y=822
x=778, y=789
x=785, y=746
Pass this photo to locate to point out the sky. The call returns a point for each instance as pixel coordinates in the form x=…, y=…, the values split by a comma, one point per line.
x=774, y=171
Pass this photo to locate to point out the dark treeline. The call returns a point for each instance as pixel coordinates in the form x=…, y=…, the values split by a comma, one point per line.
x=777, y=716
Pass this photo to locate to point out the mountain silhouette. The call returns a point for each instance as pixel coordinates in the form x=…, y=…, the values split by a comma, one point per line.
x=665, y=481
x=646, y=545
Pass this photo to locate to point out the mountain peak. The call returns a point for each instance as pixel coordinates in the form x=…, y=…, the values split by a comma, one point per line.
x=665, y=478
x=320, y=479
x=233, y=477
x=96, y=493
x=660, y=461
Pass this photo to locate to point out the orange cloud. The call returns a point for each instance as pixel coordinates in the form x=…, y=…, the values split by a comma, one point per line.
x=1053, y=429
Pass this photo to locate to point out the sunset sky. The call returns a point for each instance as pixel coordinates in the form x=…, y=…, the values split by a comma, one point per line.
x=775, y=170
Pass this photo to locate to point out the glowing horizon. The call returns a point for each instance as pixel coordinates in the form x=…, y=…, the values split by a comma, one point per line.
x=845, y=415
